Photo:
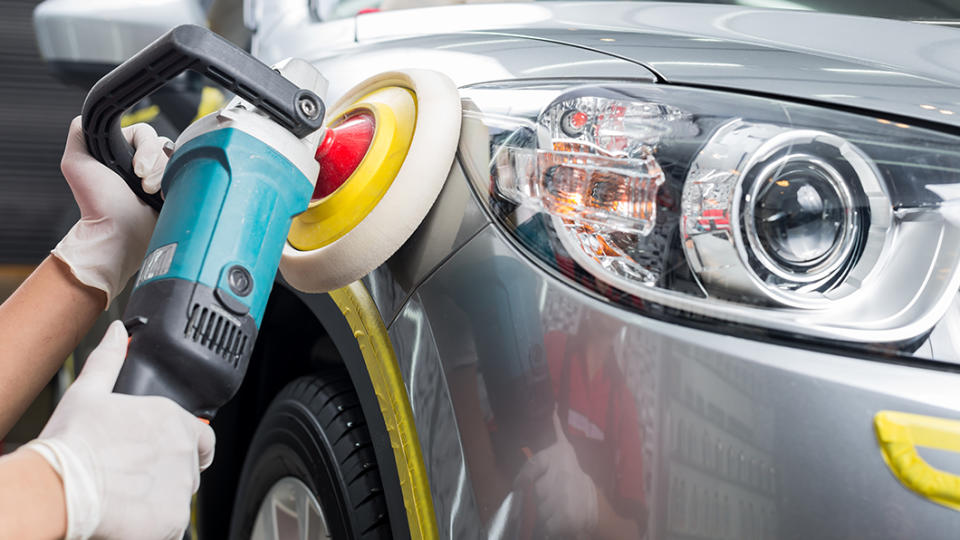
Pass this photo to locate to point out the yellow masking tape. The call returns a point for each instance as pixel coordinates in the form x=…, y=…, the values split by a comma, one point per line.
x=900, y=433
x=395, y=115
x=381, y=362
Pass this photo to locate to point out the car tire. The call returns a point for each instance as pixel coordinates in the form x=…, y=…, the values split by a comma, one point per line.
x=312, y=449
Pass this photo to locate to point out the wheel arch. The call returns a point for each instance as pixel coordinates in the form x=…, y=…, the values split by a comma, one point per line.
x=334, y=321
x=300, y=330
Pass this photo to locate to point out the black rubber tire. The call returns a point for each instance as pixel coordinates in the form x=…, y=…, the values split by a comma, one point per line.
x=314, y=430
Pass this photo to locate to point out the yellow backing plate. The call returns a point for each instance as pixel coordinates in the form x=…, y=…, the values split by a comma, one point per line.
x=395, y=116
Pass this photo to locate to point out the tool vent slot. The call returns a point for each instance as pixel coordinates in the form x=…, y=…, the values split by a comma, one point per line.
x=217, y=332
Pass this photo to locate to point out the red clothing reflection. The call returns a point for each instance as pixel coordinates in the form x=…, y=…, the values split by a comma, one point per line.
x=599, y=416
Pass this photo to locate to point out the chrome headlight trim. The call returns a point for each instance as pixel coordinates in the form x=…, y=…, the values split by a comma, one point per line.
x=758, y=145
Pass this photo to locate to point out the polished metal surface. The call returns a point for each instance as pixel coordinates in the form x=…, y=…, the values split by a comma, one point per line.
x=466, y=59
x=731, y=61
x=290, y=511
x=885, y=65
x=891, y=67
x=441, y=435
x=453, y=220
x=738, y=439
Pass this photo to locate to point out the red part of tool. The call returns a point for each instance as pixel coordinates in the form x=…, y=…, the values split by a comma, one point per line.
x=341, y=151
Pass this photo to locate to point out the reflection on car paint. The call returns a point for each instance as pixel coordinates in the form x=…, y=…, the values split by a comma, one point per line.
x=737, y=439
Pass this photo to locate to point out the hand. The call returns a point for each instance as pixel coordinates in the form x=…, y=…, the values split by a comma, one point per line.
x=129, y=464
x=566, y=496
x=105, y=248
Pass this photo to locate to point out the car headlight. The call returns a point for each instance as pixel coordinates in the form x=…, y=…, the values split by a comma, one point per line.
x=708, y=205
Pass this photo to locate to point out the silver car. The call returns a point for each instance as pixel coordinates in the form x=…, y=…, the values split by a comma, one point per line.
x=693, y=274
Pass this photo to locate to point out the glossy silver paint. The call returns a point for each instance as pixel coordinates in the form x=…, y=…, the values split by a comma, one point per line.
x=739, y=439
x=428, y=387
x=455, y=218
x=874, y=64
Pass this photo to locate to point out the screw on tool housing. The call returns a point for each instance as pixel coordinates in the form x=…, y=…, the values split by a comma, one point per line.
x=308, y=107
x=240, y=280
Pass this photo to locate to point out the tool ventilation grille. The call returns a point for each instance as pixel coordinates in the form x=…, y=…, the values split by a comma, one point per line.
x=217, y=332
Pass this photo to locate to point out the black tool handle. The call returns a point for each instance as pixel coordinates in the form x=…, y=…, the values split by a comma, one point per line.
x=188, y=47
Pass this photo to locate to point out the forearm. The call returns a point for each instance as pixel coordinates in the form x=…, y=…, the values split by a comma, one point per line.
x=40, y=324
x=32, y=504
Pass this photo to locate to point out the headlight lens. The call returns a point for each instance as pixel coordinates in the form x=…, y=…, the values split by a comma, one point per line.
x=708, y=204
x=799, y=214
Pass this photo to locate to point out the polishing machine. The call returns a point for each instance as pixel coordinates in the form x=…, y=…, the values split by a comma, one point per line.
x=231, y=190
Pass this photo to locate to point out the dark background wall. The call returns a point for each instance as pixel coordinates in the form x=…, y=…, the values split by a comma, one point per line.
x=36, y=206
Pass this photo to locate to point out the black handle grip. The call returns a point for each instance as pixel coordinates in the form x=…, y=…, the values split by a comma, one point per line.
x=188, y=47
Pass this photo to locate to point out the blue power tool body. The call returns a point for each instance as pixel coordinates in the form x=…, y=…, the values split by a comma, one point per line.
x=230, y=199
x=230, y=192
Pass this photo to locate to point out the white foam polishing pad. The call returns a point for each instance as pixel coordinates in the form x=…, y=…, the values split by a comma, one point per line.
x=348, y=232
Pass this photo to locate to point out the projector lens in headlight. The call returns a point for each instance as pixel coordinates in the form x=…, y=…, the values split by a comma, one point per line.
x=706, y=204
x=800, y=202
x=798, y=213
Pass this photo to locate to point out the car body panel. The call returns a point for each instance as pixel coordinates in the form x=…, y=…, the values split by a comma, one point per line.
x=763, y=69
x=469, y=59
x=455, y=218
x=426, y=379
x=784, y=436
x=834, y=59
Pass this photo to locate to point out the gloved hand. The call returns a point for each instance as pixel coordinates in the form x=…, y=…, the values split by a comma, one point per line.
x=566, y=496
x=105, y=248
x=129, y=464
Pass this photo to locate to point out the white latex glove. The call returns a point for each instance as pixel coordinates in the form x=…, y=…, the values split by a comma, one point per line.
x=105, y=248
x=129, y=464
x=566, y=496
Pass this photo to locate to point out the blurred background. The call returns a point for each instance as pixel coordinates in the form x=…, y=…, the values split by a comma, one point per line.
x=36, y=207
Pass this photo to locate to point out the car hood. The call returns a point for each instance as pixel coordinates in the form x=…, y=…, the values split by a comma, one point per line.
x=884, y=66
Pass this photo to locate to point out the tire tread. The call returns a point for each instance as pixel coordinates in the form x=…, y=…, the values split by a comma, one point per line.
x=332, y=400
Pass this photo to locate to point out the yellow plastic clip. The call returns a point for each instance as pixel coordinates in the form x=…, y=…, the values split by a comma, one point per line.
x=900, y=433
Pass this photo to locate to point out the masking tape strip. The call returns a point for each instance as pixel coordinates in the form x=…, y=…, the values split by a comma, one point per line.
x=364, y=319
x=900, y=433
x=193, y=529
